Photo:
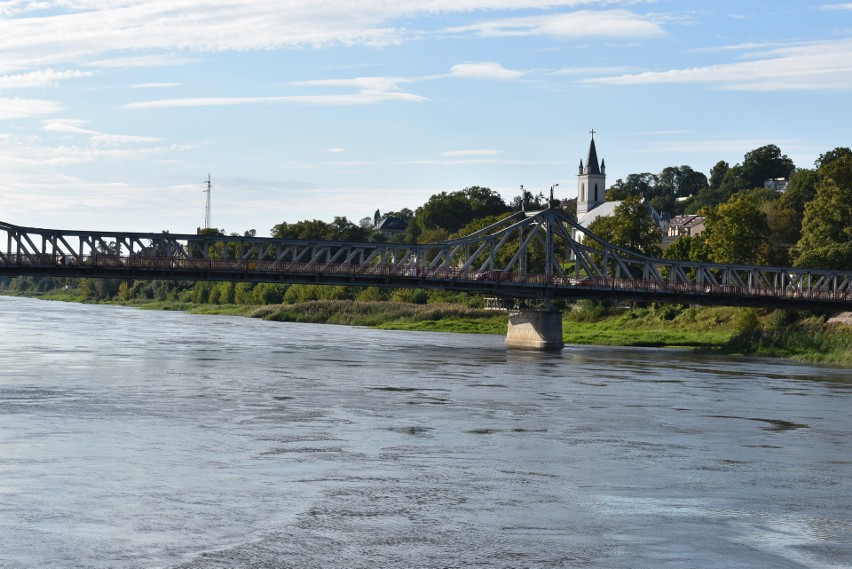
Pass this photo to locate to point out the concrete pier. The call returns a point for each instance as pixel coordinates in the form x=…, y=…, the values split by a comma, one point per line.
x=535, y=329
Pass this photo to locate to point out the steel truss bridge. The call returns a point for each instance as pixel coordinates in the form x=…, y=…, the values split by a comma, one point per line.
x=526, y=257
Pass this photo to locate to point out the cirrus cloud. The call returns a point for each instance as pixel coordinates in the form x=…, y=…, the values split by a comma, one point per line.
x=484, y=70
x=16, y=108
x=571, y=25
x=823, y=65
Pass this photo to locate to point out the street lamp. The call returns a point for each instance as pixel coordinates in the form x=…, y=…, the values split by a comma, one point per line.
x=551, y=194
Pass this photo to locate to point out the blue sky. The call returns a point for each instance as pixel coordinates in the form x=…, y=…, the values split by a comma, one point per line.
x=113, y=112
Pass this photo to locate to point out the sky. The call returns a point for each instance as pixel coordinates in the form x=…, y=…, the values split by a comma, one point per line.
x=114, y=112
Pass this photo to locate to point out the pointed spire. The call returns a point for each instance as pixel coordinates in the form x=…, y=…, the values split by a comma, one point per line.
x=603, y=166
x=592, y=166
x=581, y=166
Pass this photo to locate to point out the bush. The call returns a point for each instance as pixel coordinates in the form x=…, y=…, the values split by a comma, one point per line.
x=746, y=320
x=590, y=310
x=780, y=319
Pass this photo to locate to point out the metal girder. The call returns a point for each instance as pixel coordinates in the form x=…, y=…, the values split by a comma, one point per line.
x=524, y=255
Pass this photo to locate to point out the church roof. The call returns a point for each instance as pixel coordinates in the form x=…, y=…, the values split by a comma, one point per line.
x=592, y=165
x=607, y=209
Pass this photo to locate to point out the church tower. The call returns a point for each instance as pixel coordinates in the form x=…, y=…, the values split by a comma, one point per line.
x=591, y=181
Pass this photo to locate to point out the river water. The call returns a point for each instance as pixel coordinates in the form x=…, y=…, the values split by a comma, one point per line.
x=133, y=438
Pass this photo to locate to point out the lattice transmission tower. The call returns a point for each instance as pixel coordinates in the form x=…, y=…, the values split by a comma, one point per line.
x=207, y=205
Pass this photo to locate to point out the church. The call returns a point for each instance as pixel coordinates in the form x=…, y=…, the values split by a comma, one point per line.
x=591, y=193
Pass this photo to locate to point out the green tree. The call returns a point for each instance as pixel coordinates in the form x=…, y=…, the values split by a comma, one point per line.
x=526, y=201
x=680, y=182
x=688, y=248
x=827, y=226
x=344, y=230
x=630, y=226
x=737, y=231
x=758, y=165
x=635, y=185
x=838, y=153
x=761, y=164
x=717, y=174
x=452, y=211
x=313, y=230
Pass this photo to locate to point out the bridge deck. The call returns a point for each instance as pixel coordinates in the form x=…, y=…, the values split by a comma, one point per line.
x=526, y=286
x=544, y=256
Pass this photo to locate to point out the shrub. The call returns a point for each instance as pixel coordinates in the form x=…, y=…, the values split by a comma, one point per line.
x=746, y=320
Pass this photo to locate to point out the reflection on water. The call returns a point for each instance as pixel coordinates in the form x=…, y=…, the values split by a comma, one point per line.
x=150, y=439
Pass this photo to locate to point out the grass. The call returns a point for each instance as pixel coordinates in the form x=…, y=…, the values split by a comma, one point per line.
x=808, y=341
x=386, y=315
x=654, y=326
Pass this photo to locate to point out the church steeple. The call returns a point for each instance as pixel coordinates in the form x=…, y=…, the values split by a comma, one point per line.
x=592, y=161
x=591, y=181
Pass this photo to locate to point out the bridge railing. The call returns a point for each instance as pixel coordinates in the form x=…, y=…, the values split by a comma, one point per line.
x=545, y=255
x=193, y=269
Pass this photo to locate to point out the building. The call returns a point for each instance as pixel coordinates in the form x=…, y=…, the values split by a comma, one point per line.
x=591, y=194
x=777, y=184
x=689, y=225
x=391, y=227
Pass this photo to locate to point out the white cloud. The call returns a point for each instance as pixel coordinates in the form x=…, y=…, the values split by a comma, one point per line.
x=26, y=108
x=817, y=66
x=591, y=70
x=31, y=155
x=720, y=147
x=71, y=126
x=570, y=25
x=44, y=78
x=154, y=85
x=844, y=6
x=363, y=98
x=484, y=70
x=482, y=152
x=142, y=61
x=365, y=84
x=154, y=32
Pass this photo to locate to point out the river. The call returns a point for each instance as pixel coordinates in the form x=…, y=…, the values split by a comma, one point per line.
x=132, y=438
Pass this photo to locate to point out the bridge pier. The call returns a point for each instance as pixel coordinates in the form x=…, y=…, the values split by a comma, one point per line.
x=531, y=329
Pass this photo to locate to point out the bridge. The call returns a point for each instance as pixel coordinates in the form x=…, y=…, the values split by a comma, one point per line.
x=527, y=257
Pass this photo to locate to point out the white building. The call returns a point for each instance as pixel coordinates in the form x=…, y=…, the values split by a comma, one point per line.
x=591, y=190
x=777, y=184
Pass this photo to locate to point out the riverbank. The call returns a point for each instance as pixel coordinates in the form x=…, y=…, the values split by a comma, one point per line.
x=724, y=330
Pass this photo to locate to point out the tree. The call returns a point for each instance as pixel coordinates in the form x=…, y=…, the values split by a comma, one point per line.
x=717, y=174
x=758, y=165
x=630, y=226
x=452, y=211
x=764, y=163
x=827, y=226
x=680, y=182
x=737, y=231
x=344, y=230
x=636, y=185
x=315, y=230
x=688, y=248
x=801, y=189
x=526, y=201
x=836, y=154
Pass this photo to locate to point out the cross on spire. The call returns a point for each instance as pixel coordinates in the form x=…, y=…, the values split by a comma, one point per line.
x=593, y=133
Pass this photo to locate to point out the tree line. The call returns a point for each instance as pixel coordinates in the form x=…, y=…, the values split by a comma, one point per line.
x=808, y=225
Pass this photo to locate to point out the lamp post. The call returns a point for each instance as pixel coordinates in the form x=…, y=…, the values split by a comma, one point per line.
x=551, y=194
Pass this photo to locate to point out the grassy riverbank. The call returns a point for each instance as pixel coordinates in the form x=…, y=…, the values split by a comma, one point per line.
x=716, y=329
